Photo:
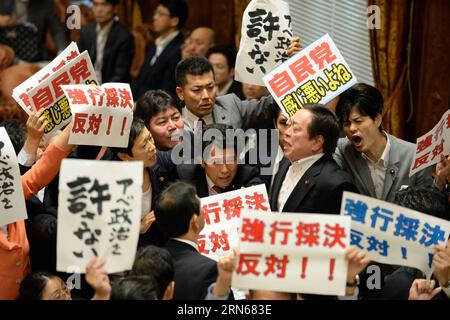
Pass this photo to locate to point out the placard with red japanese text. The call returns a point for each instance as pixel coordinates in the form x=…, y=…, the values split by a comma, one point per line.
x=102, y=115
x=222, y=218
x=99, y=213
x=293, y=252
x=432, y=145
x=20, y=92
x=317, y=74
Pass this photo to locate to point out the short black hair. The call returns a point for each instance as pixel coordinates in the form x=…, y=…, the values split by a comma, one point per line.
x=135, y=130
x=113, y=2
x=175, y=207
x=17, y=132
x=177, y=8
x=424, y=199
x=325, y=123
x=367, y=99
x=222, y=140
x=156, y=262
x=33, y=285
x=152, y=103
x=134, y=288
x=195, y=66
x=226, y=51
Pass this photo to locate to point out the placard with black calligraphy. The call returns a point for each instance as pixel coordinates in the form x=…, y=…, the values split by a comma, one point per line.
x=265, y=35
x=99, y=213
x=12, y=201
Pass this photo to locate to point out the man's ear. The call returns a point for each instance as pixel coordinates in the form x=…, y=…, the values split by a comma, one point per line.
x=168, y=294
x=124, y=157
x=318, y=143
x=174, y=21
x=378, y=120
x=180, y=93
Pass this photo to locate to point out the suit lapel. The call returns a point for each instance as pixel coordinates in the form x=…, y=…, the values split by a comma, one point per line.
x=392, y=167
x=362, y=170
x=303, y=187
x=108, y=44
x=278, y=181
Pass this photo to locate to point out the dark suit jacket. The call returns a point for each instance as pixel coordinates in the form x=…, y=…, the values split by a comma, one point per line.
x=194, y=273
x=42, y=14
x=318, y=191
x=118, y=54
x=246, y=176
x=236, y=88
x=160, y=75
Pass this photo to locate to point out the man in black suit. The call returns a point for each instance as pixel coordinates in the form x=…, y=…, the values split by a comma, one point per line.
x=181, y=218
x=308, y=179
x=219, y=170
x=110, y=46
x=158, y=70
x=40, y=13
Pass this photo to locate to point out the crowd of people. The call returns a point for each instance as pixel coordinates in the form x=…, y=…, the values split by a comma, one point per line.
x=186, y=87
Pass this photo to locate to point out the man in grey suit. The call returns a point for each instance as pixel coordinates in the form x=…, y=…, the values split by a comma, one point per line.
x=378, y=162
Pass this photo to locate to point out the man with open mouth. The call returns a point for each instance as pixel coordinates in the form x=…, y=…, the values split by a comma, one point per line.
x=378, y=162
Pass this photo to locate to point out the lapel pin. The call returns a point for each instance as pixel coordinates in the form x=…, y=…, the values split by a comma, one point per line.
x=306, y=182
x=393, y=172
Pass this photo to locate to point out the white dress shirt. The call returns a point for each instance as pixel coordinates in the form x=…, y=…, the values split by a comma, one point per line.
x=102, y=36
x=191, y=119
x=146, y=206
x=161, y=44
x=378, y=169
x=293, y=176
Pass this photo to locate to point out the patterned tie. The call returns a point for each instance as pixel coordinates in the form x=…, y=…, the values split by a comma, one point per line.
x=200, y=126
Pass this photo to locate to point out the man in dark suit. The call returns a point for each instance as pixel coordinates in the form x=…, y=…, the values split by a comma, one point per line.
x=40, y=13
x=180, y=217
x=308, y=179
x=110, y=46
x=158, y=70
x=219, y=170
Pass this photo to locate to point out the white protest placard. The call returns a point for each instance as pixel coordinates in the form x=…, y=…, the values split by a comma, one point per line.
x=222, y=218
x=99, y=213
x=431, y=145
x=12, y=201
x=102, y=115
x=317, y=74
x=392, y=234
x=265, y=35
x=20, y=92
x=293, y=252
x=48, y=94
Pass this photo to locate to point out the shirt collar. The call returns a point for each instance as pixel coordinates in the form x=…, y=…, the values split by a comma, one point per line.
x=225, y=89
x=384, y=159
x=189, y=242
x=106, y=28
x=308, y=161
x=211, y=190
x=163, y=42
x=191, y=118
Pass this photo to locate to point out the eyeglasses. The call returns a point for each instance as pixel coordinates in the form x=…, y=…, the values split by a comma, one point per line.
x=161, y=14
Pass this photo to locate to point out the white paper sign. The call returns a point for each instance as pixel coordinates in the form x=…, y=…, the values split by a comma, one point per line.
x=20, y=92
x=99, y=213
x=222, y=218
x=317, y=74
x=12, y=201
x=48, y=94
x=102, y=116
x=265, y=35
x=430, y=146
x=293, y=252
x=392, y=234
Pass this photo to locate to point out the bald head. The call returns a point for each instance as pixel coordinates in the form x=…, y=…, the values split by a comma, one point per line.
x=201, y=39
